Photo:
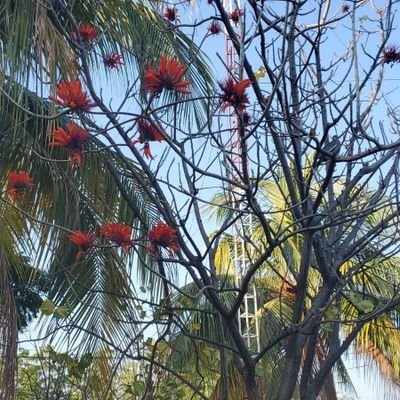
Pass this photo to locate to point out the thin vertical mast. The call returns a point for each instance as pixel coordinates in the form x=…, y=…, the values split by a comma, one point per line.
x=248, y=320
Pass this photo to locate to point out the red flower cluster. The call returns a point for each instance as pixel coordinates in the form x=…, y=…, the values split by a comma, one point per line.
x=234, y=94
x=70, y=94
x=391, y=54
x=83, y=240
x=214, y=28
x=74, y=139
x=120, y=234
x=86, y=32
x=236, y=14
x=246, y=118
x=149, y=132
x=345, y=8
x=167, y=76
x=162, y=235
x=18, y=184
x=112, y=60
x=171, y=14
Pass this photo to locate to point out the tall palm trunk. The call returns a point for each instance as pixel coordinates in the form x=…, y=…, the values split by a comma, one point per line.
x=8, y=333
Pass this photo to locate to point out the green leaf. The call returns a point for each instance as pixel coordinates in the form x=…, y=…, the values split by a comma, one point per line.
x=366, y=305
x=332, y=312
x=61, y=312
x=196, y=327
x=85, y=361
x=47, y=307
x=187, y=302
x=138, y=388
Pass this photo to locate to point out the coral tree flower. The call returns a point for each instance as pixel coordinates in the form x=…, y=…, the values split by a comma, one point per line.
x=246, y=118
x=171, y=14
x=236, y=14
x=83, y=240
x=167, y=76
x=391, y=54
x=234, y=94
x=113, y=60
x=70, y=94
x=345, y=8
x=18, y=184
x=162, y=235
x=149, y=132
x=214, y=28
x=74, y=139
x=120, y=234
x=86, y=32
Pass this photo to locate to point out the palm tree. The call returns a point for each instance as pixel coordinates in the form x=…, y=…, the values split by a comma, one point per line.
x=36, y=53
x=196, y=345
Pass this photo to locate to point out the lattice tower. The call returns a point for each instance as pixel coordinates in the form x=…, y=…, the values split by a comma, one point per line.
x=242, y=230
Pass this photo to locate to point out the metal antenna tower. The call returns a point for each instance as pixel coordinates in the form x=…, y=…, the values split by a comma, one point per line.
x=242, y=229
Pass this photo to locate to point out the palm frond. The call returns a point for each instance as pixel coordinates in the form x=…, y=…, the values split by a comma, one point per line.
x=73, y=199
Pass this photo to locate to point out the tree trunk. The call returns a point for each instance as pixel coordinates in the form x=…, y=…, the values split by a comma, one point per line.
x=288, y=384
x=252, y=392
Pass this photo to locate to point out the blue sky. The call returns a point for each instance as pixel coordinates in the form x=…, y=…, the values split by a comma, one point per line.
x=338, y=42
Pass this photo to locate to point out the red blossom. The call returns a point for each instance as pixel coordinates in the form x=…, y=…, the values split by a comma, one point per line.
x=214, y=28
x=246, y=118
x=234, y=94
x=147, y=151
x=162, y=235
x=345, y=8
x=112, y=60
x=167, y=76
x=120, y=234
x=236, y=14
x=391, y=54
x=74, y=139
x=83, y=240
x=18, y=184
x=70, y=94
x=86, y=32
x=149, y=132
x=171, y=14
